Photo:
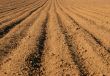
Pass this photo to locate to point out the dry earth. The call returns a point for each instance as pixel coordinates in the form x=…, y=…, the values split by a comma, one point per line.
x=54, y=37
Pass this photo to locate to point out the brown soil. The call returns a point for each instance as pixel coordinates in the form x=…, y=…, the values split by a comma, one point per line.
x=54, y=38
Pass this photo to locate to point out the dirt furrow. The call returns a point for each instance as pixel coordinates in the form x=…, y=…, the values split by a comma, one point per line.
x=57, y=56
x=14, y=7
x=97, y=12
x=92, y=14
x=12, y=39
x=99, y=19
x=83, y=47
x=102, y=19
x=10, y=15
x=103, y=25
x=4, y=29
x=24, y=60
x=54, y=38
x=101, y=35
x=100, y=22
x=95, y=42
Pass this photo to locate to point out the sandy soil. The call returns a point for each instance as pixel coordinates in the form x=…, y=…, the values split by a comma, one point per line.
x=54, y=37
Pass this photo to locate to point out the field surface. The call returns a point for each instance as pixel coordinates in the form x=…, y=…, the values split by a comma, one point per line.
x=54, y=37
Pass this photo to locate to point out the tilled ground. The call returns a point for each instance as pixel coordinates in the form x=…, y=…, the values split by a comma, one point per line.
x=54, y=38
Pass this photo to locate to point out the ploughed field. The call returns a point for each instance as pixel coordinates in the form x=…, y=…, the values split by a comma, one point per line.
x=54, y=38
